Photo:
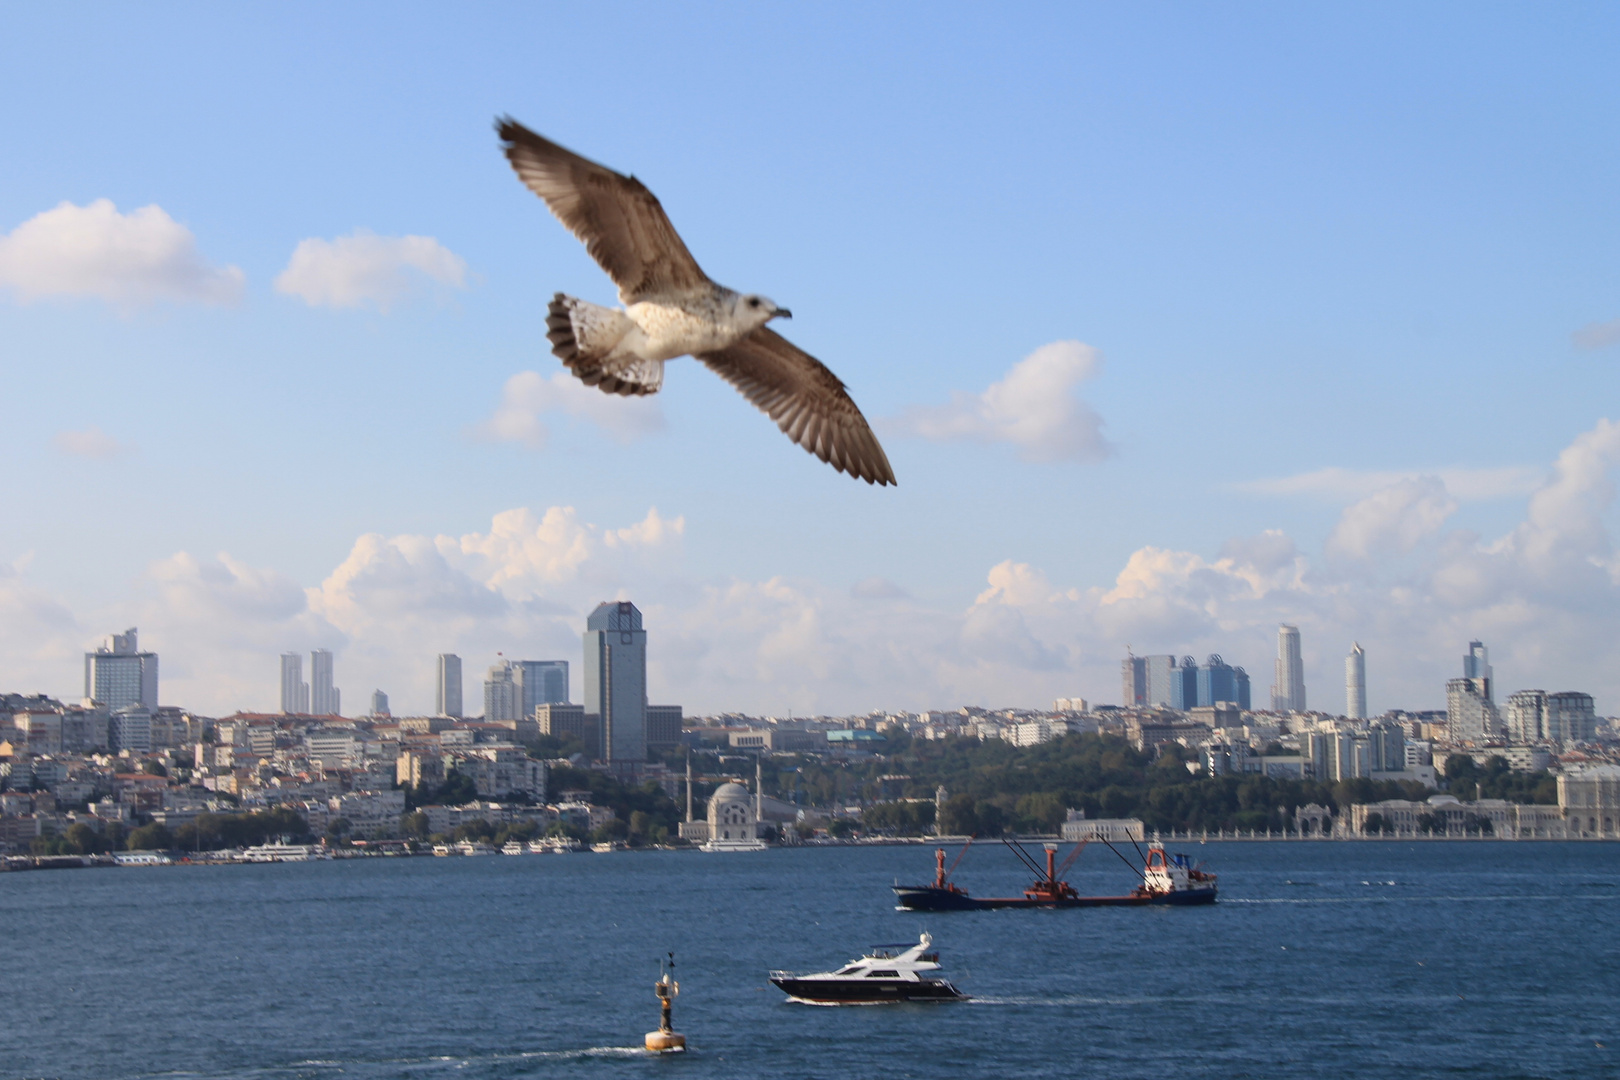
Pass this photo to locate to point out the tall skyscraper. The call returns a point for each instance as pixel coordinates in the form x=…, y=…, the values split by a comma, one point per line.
x=1160, y=670
x=1288, y=693
x=1355, y=683
x=1477, y=665
x=616, y=680
x=502, y=695
x=1133, y=682
x=324, y=698
x=379, y=703
x=294, y=690
x=1471, y=715
x=1183, y=683
x=543, y=682
x=1218, y=681
x=449, y=699
x=119, y=674
x=1159, y=680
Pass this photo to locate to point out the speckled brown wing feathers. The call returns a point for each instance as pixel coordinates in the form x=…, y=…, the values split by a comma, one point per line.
x=806, y=400
x=615, y=216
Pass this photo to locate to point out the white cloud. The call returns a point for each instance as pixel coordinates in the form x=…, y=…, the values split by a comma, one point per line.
x=126, y=259
x=1394, y=519
x=1336, y=484
x=1034, y=407
x=92, y=442
x=528, y=396
x=363, y=268
x=1597, y=335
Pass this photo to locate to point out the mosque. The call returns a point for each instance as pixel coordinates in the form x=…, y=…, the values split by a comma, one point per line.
x=733, y=821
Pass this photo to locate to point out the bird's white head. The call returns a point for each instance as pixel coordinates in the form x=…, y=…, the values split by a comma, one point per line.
x=753, y=311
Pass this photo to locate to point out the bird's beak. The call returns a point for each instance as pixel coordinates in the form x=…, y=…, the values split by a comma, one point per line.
x=782, y=313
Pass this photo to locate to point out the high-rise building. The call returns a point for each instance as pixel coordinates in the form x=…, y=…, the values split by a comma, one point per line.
x=1183, y=683
x=663, y=727
x=1477, y=665
x=1470, y=714
x=616, y=680
x=324, y=698
x=1571, y=717
x=1355, y=683
x=1288, y=693
x=449, y=699
x=1133, y=682
x=130, y=728
x=1218, y=681
x=1526, y=717
x=1147, y=681
x=571, y=722
x=1386, y=746
x=542, y=682
x=1160, y=670
x=503, y=698
x=119, y=674
x=379, y=704
x=294, y=690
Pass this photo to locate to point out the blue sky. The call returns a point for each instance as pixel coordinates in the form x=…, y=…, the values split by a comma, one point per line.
x=1346, y=281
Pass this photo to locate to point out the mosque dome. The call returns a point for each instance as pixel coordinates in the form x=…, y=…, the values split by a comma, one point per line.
x=730, y=792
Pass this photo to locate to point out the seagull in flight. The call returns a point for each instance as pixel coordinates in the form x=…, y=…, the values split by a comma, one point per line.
x=672, y=309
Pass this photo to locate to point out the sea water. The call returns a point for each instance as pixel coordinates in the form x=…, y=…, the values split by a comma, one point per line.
x=1324, y=959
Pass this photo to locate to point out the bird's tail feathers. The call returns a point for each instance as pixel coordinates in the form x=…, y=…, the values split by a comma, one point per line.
x=583, y=336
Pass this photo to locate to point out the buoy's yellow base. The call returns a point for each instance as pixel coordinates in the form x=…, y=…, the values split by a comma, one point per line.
x=665, y=1042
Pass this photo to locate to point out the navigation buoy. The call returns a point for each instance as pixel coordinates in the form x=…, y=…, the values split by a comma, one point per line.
x=666, y=1040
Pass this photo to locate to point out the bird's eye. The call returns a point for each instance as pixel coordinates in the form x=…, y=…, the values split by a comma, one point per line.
x=753, y=301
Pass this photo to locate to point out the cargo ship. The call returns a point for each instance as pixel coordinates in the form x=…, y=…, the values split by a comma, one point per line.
x=1166, y=879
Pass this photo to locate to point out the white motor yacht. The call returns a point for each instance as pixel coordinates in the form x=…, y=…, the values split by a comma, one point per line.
x=888, y=973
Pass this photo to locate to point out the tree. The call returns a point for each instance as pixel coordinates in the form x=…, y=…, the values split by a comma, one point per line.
x=153, y=837
x=1374, y=824
x=414, y=825
x=613, y=829
x=521, y=831
x=959, y=816
x=476, y=829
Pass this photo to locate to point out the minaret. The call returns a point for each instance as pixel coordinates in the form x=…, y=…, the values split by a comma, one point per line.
x=759, y=789
x=689, y=785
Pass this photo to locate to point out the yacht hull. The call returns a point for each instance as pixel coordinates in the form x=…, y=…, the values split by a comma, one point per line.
x=867, y=991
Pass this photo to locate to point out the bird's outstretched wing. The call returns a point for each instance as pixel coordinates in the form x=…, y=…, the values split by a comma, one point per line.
x=806, y=400
x=618, y=219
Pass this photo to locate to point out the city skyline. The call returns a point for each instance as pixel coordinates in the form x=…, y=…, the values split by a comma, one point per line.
x=1380, y=248
x=514, y=688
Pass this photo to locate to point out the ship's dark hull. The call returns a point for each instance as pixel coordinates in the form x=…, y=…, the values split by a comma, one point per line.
x=928, y=898
x=868, y=991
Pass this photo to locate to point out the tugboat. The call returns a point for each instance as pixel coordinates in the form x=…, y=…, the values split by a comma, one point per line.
x=1166, y=879
x=880, y=977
